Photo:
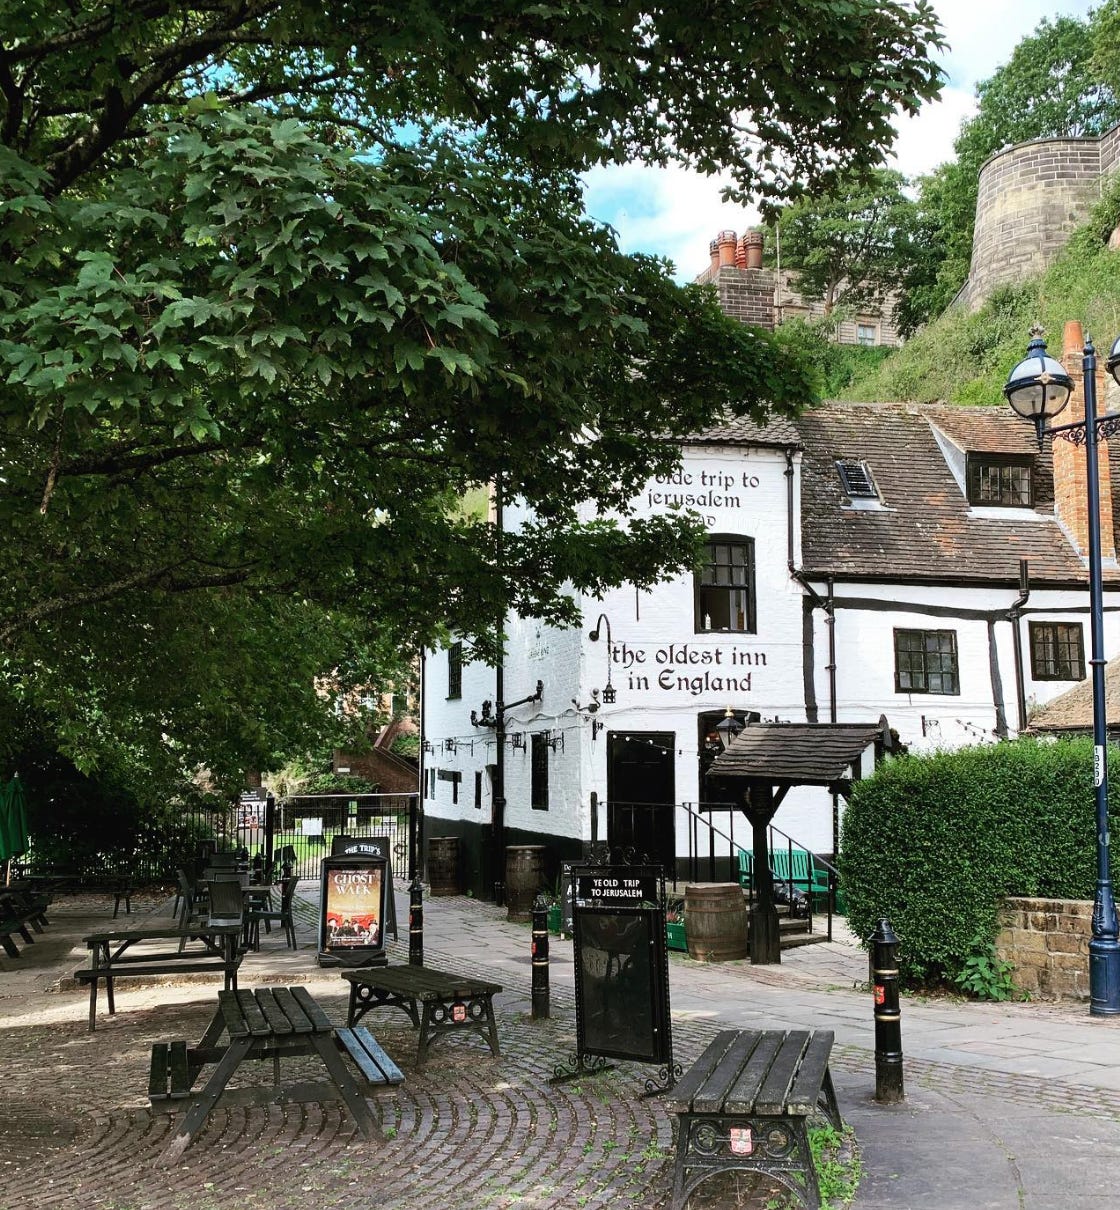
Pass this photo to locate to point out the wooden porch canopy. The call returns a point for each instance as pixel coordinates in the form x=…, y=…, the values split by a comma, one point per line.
x=782, y=755
x=761, y=765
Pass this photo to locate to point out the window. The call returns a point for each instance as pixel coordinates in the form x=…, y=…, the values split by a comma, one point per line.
x=867, y=334
x=538, y=795
x=999, y=482
x=455, y=670
x=1057, y=651
x=925, y=661
x=478, y=789
x=725, y=586
x=856, y=478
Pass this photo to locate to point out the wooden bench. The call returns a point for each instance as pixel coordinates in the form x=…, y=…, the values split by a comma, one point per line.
x=447, y=1003
x=112, y=957
x=268, y=1023
x=743, y=1107
x=20, y=912
x=797, y=867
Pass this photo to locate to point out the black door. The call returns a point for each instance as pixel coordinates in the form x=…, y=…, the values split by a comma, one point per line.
x=641, y=793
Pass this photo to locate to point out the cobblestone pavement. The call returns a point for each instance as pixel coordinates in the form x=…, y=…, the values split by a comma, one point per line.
x=470, y=1130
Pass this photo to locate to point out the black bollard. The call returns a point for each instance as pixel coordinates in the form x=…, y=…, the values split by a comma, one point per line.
x=888, y=1016
x=540, y=958
x=416, y=922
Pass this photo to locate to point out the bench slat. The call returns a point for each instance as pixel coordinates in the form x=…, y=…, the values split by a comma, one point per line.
x=810, y=1075
x=255, y=1020
x=368, y=1056
x=158, y=1072
x=272, y=1012
x=180, y=1070
x=743, y=1094
x=727, y=1072
x=198, y=966
x=289, y=1006
x=679, y=1097
x=775, y=1088
x=314, y=1013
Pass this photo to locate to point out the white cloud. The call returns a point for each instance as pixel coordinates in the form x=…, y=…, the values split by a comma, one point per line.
x=673, y=212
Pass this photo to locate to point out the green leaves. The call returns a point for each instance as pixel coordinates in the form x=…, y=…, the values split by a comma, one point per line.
x=935, y=843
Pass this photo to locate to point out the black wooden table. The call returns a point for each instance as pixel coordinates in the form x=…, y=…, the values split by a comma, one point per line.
x=438, y=1003
x=743, y=1106
x=268, y=1023
x=112, y=956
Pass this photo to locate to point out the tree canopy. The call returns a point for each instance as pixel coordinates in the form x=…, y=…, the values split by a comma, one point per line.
x=282, y=280
x=853, y=246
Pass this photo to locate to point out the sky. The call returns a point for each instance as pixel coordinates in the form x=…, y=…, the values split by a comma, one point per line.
x=673, y=212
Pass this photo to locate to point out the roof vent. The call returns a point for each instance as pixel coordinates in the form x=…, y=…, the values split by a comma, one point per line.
x=856, y=478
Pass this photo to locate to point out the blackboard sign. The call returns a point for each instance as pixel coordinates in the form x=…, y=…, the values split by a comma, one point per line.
x=372, y=846
x=621, y=966
x=352, y=912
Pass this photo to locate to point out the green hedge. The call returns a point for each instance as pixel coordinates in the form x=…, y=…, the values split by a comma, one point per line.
x=934, y=843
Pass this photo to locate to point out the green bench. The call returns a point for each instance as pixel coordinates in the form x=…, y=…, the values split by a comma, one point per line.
x=796, y=866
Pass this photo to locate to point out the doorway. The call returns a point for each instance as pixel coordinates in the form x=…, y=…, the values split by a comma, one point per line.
x=641, y=794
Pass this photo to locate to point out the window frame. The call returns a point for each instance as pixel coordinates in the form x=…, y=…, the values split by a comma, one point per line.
x=749, y=589
x=538, y=770
x=455, y=672
x=925, y=672
x=976, y=464
x=1036, y=629
x=872, y=328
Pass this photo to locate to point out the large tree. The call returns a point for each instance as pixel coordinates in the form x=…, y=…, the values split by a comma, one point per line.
x=852, y=246
x=281, y=280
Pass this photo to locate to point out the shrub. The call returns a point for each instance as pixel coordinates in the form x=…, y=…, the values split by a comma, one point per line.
x=934, y=843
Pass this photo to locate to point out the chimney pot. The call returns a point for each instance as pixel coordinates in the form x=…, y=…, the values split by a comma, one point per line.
x=727, y=241
x=752, y=250
x=713, y=252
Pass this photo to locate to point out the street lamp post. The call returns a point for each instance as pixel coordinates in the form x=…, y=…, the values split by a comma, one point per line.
x=1038, y=389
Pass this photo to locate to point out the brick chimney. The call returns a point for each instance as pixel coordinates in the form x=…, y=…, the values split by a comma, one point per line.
x=1071, y=501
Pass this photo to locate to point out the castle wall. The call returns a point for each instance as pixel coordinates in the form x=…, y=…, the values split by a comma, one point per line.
x=1031, y=198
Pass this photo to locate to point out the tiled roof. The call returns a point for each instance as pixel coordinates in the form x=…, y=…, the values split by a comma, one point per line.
x=740, y=430
x=1073, y=710
x=800, y=753
x=925, y=531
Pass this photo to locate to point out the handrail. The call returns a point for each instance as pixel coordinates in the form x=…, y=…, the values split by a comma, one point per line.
x=697, y=818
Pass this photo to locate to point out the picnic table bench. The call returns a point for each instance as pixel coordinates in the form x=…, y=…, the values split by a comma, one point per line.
x=112, y=956
x=21, y=910
x=743, y=1105
x=437, y=1003
x=268, y=1023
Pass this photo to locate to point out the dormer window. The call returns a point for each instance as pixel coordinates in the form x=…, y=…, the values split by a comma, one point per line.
x=856, y=479
x=999, y=482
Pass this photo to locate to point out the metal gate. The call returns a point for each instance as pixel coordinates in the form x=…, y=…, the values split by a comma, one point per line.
x=306, y=824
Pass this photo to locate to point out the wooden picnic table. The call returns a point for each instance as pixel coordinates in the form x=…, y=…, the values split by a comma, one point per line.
x=112, y=956
x=446, y=1002
x=268, y=1023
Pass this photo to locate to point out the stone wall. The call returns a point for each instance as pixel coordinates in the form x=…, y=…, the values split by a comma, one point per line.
x=1047, y=942
x=1030, y=199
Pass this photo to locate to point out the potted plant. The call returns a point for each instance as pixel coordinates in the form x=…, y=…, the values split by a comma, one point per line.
x=674, y=925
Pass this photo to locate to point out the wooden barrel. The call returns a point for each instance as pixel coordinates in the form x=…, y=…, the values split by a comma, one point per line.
x=715, y=922
x=443, y=865
x=525, y=876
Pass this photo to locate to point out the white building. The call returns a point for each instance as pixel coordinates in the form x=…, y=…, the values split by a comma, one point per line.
x=925, y=564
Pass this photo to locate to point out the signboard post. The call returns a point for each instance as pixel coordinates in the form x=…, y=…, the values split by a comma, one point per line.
x=352, y=916
x=622, y=971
